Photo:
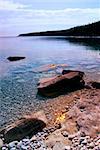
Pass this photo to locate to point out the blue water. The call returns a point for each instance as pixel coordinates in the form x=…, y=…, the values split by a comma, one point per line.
x=18, y=81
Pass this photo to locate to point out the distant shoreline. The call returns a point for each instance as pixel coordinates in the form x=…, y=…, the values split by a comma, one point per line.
x=90, y=30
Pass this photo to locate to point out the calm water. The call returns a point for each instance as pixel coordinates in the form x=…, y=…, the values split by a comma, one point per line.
x=18, y=81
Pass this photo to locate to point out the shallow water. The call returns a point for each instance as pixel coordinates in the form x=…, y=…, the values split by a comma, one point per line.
x=18, y=81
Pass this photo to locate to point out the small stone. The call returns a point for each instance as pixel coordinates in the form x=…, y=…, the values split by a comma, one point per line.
x=71, y=136
x=75, y=139
x=19, y=144
x=84, y=142
x=65, y=133
x=33, y=138
x=26, y=142
x=67, y=148
x=13, y=144
x=58, y=146
x=1, y=136
x=50, y=144
x=87, y=137
x=97, y=148
x=81, y=139
x=1, y=143
x=13, y=148
x=23, y=147
x=91, y=145
x=4, y=148
x=76, y=144
x=97, y=143
x=39, y=134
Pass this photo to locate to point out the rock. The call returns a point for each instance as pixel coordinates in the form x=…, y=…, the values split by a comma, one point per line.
x=91, y=145
x=57, y=85
x=1, y=143
x=58, y=146
x=15, y=58
x=25, y=127
x=50, y=144
x=84, y=142
x=95, y=85
x=19, y=144
x=70, y=71
x=65, y=133
x=23, y=147
x=97, y=142
x=81, y=139
x=67, y=147
x=71, y=136
x=5, y=148
x=13, y=148
x=87, y=118
x=33, y=138
x=26, y=142
x=13, y=144
x=49, y=67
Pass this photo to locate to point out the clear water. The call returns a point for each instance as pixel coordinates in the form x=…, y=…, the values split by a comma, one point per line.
x=18, y=81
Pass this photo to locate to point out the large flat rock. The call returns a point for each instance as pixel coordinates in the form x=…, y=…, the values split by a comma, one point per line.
x=70, y=81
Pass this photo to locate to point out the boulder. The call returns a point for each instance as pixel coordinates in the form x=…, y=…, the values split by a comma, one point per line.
x=70, y=81
x=86, y=113
x=27, y=126
x=15, y=58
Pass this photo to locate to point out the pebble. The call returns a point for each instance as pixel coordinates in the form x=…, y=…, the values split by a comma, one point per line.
x=37, y=142
x=13, y=148
x=1, y=143
x=91, y=145
x=81, y=139
x=4, y=148
x=84, y=142
x=58, y=146
x=67, y=148
x=33, y=138
x=13, y=144
x=71, y=136
x=65, y=133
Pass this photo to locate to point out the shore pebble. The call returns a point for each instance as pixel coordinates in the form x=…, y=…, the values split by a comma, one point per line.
x=39, y=142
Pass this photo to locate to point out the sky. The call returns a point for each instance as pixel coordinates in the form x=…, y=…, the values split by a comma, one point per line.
x=22, y=16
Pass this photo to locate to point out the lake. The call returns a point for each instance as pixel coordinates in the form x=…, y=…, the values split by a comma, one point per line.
x=18, y=80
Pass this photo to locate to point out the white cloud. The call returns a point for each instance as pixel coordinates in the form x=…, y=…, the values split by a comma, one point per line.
x=47, y=13
x=27, y=20
x=10, y=5
x=67, y=16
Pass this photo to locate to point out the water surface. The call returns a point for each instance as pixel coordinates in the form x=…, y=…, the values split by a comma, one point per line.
x=18, y=81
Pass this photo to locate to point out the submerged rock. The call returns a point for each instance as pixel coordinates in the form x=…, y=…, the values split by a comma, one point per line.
x=49, y=67
x=15, y=58
x=70, y=81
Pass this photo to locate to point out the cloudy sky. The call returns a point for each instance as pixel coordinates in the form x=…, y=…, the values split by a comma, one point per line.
x=21, y=16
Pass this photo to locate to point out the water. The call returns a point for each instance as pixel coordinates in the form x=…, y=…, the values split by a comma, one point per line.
x=18, y=81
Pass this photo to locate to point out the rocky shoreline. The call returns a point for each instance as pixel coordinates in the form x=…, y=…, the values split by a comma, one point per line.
x=61, y=132
x=72, y=123
x=64, y=141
